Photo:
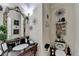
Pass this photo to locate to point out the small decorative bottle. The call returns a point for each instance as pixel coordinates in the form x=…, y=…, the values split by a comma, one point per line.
x=68, y=51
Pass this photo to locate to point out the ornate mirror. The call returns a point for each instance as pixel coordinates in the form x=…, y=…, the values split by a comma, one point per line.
x=16, y=22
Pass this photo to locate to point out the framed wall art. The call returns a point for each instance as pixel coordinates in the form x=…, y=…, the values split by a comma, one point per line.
x=16, y=31
x=16, y=22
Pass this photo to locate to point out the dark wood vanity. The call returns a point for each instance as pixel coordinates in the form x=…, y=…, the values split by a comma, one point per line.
x=28, y=51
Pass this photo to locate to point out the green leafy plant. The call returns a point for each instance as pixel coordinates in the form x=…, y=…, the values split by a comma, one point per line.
x=3, y=28
x=3, y=37
x=3, y=32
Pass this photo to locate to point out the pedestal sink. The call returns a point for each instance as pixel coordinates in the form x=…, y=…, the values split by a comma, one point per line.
x=20, y=47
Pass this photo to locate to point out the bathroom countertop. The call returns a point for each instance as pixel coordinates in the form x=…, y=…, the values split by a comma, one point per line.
x=20, y=47
x=31, y=48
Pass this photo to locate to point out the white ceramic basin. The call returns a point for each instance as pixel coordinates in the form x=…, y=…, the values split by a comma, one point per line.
x=20, y=47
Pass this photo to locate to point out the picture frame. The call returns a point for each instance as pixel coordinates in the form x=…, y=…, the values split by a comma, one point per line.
x=16, y=31
x=16, y=22
x=4, y=46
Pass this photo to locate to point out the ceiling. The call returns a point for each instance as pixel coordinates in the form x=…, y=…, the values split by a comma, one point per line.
x=25, y=7
x=28, y=7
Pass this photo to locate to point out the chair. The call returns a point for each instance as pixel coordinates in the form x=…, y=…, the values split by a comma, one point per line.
x=4, y=49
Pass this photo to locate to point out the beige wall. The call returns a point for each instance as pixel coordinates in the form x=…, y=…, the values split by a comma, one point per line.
x=46, y=26
x=40, y=32
x=36, y=32
x=69, y=38
x=76, y=29
x=49, y=33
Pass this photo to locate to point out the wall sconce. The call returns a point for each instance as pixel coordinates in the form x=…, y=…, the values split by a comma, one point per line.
x=60, y=12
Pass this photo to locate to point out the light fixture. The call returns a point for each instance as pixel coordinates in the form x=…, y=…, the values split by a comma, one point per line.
x=60, y=12
x=27, y=9
x=28, y=12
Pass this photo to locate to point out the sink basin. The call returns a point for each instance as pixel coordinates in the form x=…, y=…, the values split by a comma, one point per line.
x=20, y=47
